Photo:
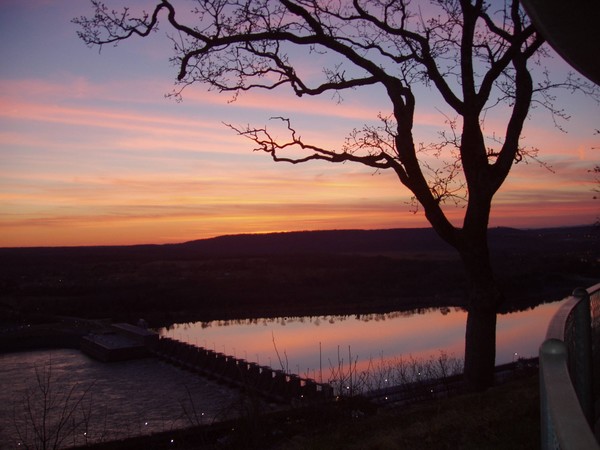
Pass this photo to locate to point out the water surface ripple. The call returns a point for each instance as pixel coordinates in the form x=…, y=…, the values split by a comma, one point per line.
x=123, y=399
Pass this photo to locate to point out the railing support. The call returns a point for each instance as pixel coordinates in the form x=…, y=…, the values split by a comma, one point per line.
x=580, y=356
x=566, y=376
x=562, y=419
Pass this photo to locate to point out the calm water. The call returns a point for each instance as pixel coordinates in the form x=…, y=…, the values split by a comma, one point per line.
x=123, y=399
x=144, y=396
x=310, y=346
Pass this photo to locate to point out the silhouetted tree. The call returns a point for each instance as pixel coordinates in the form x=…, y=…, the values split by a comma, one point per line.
x=476, y=55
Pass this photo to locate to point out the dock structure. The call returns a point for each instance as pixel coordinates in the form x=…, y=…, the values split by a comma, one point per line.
x=276, y=385
x=119, y=342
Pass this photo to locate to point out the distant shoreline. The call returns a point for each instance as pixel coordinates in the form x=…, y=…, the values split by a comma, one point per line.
x=286, y=274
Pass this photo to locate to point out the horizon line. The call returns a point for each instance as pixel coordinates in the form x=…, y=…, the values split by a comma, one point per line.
x=288, y=232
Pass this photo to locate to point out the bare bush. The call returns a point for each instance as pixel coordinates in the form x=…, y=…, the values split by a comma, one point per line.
x=347, y=380
x=52, y=414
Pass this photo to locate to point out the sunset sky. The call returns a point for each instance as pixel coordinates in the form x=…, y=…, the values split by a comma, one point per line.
x=92, y=153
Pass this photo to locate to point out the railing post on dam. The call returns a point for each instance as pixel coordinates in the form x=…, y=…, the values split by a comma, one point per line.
x=567, y=394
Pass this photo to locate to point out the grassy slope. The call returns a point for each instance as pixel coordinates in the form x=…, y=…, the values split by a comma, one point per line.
x=505, y=417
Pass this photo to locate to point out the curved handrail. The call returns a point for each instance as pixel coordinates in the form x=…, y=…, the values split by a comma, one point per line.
x=565, y=376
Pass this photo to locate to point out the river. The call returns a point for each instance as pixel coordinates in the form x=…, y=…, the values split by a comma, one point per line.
x=131, y=398
x=311, y=346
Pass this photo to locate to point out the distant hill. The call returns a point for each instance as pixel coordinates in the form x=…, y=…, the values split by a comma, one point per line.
x=332, y=241
x=404, y=240
x=278, y=274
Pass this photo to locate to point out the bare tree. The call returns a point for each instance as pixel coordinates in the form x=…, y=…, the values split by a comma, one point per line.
x=51, y=414
x=475, y=54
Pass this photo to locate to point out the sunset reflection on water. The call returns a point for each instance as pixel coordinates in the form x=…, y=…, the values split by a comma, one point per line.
x=312, y=345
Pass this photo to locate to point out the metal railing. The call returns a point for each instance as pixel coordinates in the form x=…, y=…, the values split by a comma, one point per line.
x=570, y=374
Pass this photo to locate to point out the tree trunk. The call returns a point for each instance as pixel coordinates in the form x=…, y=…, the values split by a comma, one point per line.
x=480, y=348
x=484, y=298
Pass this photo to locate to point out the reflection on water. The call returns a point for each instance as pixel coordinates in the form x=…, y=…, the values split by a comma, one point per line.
x=123, y=399
x=145, y=396
x=314, y=320
x=311, y=346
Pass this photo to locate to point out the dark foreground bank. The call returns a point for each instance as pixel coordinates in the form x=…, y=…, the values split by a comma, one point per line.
x=504, y=417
